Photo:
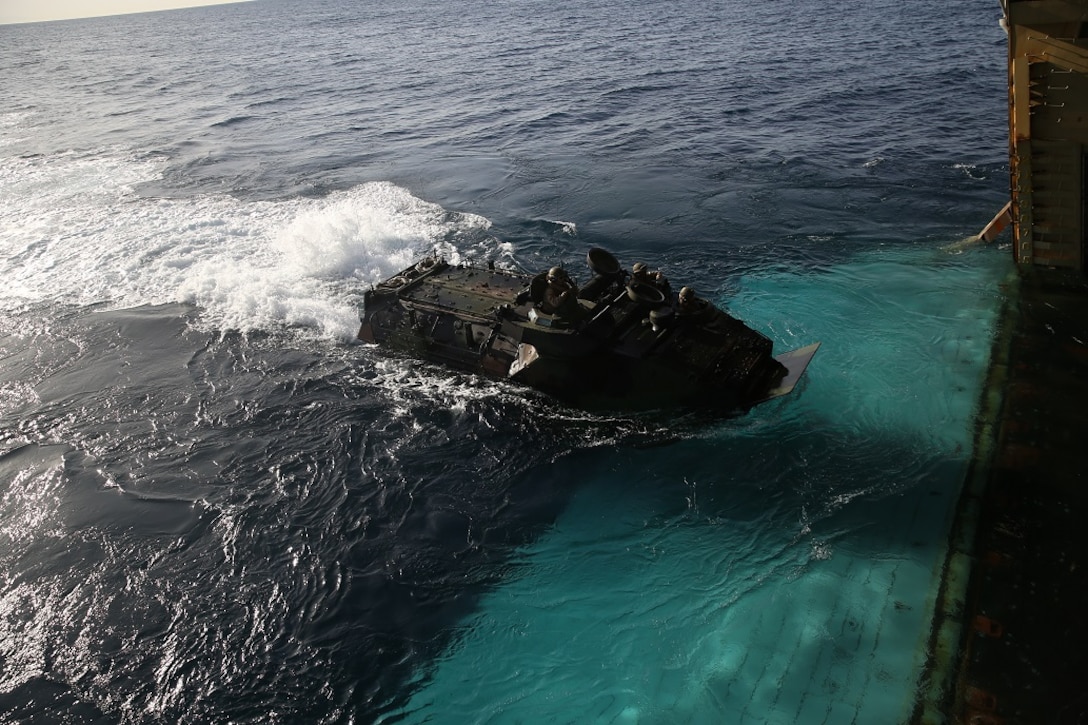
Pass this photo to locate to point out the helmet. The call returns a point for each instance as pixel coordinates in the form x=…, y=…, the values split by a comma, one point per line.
x=687, y=293
x=638, y=267
x=556, y=273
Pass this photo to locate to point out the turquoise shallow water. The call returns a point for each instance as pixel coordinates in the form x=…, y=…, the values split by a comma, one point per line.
x=780, y=568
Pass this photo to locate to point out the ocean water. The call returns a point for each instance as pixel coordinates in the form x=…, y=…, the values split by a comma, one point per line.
x=217, y=506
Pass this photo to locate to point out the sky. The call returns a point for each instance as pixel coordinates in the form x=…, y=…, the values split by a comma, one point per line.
x=31, y=11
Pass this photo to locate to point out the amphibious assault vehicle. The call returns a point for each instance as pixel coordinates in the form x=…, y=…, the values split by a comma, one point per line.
x=623, y=341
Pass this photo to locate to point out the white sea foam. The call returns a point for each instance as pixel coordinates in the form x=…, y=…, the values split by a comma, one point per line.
x=73, y=229
x=11, y=127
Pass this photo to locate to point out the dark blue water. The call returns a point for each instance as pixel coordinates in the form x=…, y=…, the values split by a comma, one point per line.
x=216, y=506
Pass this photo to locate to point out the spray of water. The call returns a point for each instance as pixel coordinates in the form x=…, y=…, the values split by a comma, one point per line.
x=76, y=231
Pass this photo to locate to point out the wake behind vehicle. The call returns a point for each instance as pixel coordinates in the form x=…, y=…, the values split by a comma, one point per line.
x=620, y=342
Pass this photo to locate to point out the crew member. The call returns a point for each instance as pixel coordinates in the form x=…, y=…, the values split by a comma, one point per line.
x=561, y=294
x=641, y=273
x=688, y=301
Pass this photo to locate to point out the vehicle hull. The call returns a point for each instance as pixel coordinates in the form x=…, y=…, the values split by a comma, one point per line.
x=624, y=345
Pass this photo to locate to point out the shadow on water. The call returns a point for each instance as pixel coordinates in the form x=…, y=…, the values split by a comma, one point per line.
x=752, y=569
x=213, y=525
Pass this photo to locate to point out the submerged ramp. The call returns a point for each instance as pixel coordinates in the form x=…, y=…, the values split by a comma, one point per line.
x=1011, y=635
